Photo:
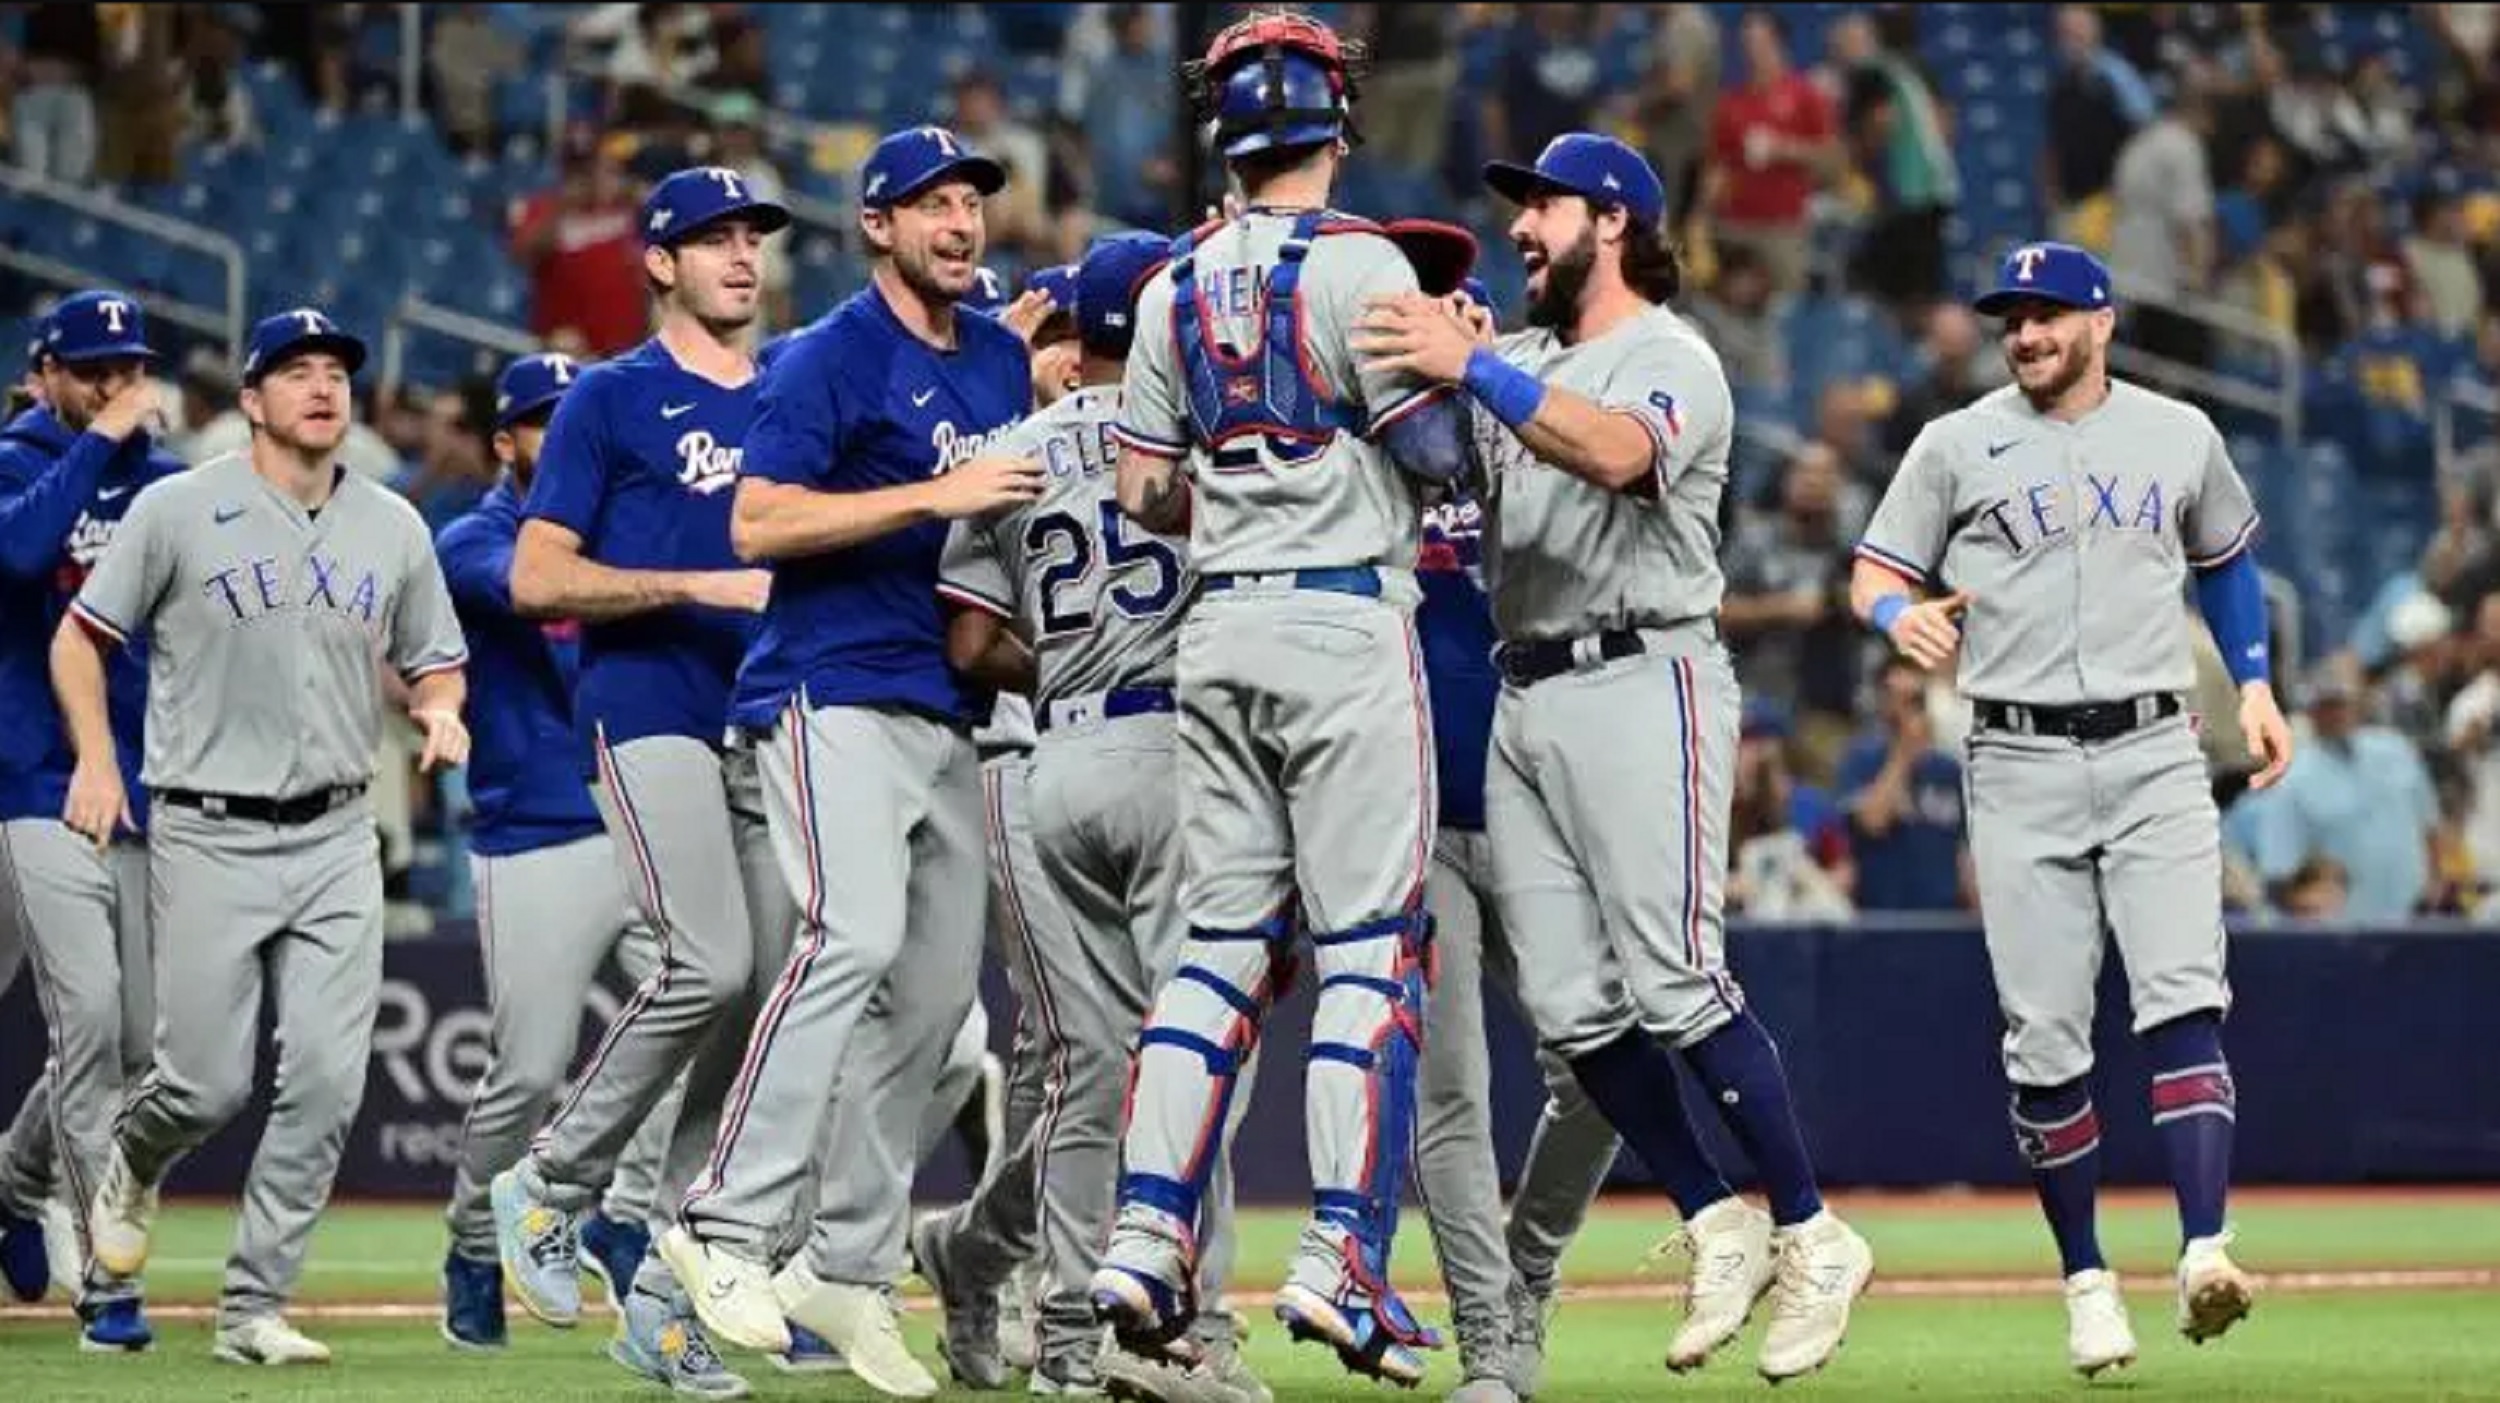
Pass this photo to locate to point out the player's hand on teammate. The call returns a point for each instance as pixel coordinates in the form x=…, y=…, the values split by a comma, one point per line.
x=446, y=740
x=1054, y=373
x=741, y=591
x=1477, y=316
x=97, y=806
x=1025, y=315
x=137, y=405
x=1414, y=334
x=987, y=485
x=1930, y=632
x=2269, y=735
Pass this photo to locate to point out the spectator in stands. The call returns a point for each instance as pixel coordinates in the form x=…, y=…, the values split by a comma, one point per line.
x=1406, y=101
x=455, y=467
x=579, y=245
x=140, y=94
x=2372, y=114
x=738, y=143
x=1957, y=364
x=1738, y=312
x=313, y=42
x=466, y=55
x=1773, y=144
x=1128, y=124
x=1548, y=82
x=1790, y=845
x=2412, y=691
x=745, y=64
x=217, y=105
x=2096, y=102
x=662, y=48
x=2442, y=263
x=1786, y=615
x=52, y=117
x=208, y=388
x=1018, y=219
x=2318, y=890
x=1903, y=795
x=2162, y=238
x=2357, y=793
x=1844, y=417
x=2461, y=564
x=2472, y=731
x=1679, y=92
x=1896, y=135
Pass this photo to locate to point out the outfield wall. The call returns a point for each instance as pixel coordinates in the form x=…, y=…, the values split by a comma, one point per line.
x=2362, y=1057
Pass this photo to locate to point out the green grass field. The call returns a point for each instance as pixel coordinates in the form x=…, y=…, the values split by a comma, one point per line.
x=2362, y=1297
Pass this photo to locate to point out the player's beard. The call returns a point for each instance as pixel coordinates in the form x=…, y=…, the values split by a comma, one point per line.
x=2075, y=362
x=919, y=270
x=1557, y=304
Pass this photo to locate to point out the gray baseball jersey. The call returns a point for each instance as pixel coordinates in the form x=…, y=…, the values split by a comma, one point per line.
x=1564, y=557
x=1097, y=594
x=262, y=623
x=2073, y=539
x=1254, y=510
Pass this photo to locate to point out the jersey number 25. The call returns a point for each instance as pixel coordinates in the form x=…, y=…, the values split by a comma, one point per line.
x=1065, y=546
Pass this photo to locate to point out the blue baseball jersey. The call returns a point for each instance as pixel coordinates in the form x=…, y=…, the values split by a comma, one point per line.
x=61, y=496
x=641, y=462
x=524, y=780
x=854, y=403
x=1456, y=621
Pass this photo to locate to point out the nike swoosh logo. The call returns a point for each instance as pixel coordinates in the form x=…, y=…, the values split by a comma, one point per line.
x=922, y=398
x=226, y=514
x=1997, y=450
x=721, y=1289
x=674, y=410
x=107, y=494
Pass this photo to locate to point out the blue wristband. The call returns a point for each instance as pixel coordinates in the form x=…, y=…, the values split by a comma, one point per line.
x=1511, y=393
x=1887, y=612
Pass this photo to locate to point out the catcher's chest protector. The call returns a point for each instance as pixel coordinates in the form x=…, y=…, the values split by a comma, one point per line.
x=1270, y=389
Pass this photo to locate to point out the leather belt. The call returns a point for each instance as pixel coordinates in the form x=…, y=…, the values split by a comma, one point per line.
x=301, y=809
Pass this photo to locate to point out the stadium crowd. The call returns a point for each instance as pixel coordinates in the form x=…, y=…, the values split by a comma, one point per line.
x=2324, y=178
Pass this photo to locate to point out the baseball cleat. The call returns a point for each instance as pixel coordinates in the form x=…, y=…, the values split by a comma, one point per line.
x=1327, y=1298
x=1133, y=1291
x=732, y=1293
x=1217, y=1376
x=25, y=1261
x=859, y=1321
x=1486, y=1390
x=612, y=1251
x=540, y=1247
x=119, y=1220
x=662, y=1342
x=809, y=1353
x=473, y=1304
x=114, y=1327
x=1019, y=1317
x=2214, y=1294
x=1823, y=1267
x=268, y=1340
x=1730, y=1246
x=1532, y=1309
x=60, y=1244
x=2097, y=1334
x=969, y=1340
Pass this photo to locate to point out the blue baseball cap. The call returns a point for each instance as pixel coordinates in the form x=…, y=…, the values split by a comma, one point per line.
x=531, y=384
x=1597, y=168
x=913, y=159
x=2051, y=272
x=1059, y=280
x=92, y=326
x=687, y=200
x=298, y=331
x=1107, y=282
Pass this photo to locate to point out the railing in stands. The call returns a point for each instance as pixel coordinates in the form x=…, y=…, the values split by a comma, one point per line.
x=2459, y=397
x=415, y=313
x=225, y=323
x=2280, y=401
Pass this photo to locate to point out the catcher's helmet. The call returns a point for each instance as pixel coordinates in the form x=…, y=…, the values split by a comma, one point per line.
x=1277, y=80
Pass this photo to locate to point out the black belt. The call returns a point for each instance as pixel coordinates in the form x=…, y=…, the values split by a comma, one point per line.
x=301, y=809
x=1530, y=661
x=2091, y=721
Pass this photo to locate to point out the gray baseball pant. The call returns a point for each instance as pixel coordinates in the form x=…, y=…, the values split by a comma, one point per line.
x=26, y=1150
x=243, y=904
x=689, y=827
x=546, y=921
x=875, y=820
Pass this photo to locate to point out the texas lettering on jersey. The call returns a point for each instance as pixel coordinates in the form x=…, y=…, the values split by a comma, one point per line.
x=2042, y=513
x=252, y=588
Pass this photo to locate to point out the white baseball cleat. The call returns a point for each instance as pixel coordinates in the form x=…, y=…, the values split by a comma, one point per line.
x=1730, y=1245
x=268, y=1339
x=2214, y=1294
x=1823, y=1266
x=732, y=1295
x=2097, y=1334
x=119, y=1220
x=859, y=1322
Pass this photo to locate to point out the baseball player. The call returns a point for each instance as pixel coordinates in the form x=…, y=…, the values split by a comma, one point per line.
x=551, y=898
x=1604, y=432
x=626, y=529
x=263, y=585
x=1094, y=603
x=1306, y=754
x=871, y=434
x=2038, y=541
x=69, y=473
